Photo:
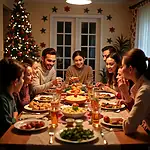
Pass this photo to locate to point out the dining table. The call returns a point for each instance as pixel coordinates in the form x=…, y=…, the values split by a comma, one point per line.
x=107, y=138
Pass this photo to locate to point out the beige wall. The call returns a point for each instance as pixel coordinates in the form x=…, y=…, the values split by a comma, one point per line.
x=9, y=4
x=119, y=12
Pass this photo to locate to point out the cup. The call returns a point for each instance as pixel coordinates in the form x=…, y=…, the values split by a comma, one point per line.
x=54, y=117
x=95, y=118
x=70, y=122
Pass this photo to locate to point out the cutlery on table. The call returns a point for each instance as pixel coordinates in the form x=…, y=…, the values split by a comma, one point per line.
x=104, y=139
x=51, y=135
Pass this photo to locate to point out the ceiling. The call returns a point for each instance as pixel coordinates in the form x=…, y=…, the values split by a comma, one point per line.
x=94, y=1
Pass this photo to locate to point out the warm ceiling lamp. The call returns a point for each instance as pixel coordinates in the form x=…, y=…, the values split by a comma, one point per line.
x=79, y=2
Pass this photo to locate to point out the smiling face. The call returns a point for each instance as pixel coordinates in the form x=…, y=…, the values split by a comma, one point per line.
x=111, y=65
x=49, y=61
x=79, y=61
x=28, y=75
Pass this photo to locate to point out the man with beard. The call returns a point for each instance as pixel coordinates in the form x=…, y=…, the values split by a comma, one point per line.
x=46, y=76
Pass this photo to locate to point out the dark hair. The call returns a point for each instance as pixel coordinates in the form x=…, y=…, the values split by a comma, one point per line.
x=110, y=48
x=10, y=70
x=78, y=53
x=137, y=59
x=112, y=76
x=50, y=51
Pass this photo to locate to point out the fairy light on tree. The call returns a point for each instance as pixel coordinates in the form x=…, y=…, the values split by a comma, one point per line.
x=19, y=42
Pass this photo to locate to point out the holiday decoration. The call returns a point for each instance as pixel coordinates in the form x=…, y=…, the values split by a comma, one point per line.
x=86, y=10
x=112, y=29
x=42, y=44
x=99, y=11
x=109, y=40
x=43, y=30
x=54, y=9
x=44, y=18
x=19, y=42
x=109, y=17
x=66, y=8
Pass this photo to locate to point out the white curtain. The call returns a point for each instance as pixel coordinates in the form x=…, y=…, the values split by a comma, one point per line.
x=143, y=30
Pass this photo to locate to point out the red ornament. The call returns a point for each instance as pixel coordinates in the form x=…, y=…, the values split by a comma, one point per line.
x=19, y=53
x=26, y=37
x=66, y=8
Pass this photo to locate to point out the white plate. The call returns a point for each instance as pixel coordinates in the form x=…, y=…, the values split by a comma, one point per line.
x=26, y=107
x=74, y=115
x=18, y=124
x=57, y=135
x=38, y=98
x=105, y=93
x=109, y=124
x=105, y=108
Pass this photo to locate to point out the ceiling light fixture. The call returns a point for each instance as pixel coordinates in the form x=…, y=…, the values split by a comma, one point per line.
x=79, y=2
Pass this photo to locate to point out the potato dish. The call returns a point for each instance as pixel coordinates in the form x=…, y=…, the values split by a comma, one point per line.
x=39, y=106
x=72, y=111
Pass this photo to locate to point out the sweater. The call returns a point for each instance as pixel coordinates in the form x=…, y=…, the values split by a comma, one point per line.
x=43, y=79
x=140, y=111
x=85, y=74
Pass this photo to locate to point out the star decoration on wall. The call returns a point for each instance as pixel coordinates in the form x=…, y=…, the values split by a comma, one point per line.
x=109, y=17
x=99, y=11
x=44, y=18
x=109, y=40
x=66, y=8
x=54, y=9
x=42, y=44
x=112, y=29
x=86, y=10
x=43, y=30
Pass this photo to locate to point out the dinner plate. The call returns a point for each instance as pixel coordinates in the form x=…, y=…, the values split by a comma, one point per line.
x=18, y=124
x=72, y=99
x=57, y=135
x=105, y=95
x=110, y=124
x=70, y=93
x=105, y=108
x=44, y=98
x=26, y=107
x=73, y=114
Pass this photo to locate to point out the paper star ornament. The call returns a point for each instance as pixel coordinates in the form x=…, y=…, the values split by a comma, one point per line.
x=54, y=9
x=112, y=29
x=43, y=30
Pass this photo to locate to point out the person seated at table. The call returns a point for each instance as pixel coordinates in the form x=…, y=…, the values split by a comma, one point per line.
x=33, y=64
x=79, y=69
x=11, y=80
x=46, y=76
x=135, y=68
x=124, y=87
x=26, y=93
x=113, y=62
x=106, y=51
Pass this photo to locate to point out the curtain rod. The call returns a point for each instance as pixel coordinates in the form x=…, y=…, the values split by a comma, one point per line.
x=138, y=4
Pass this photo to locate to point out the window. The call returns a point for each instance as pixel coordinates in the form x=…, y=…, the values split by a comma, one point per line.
x=70, y=34
x=143, y=29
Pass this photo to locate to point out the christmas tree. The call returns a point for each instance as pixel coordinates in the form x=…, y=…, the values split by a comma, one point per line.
x=19, y=42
